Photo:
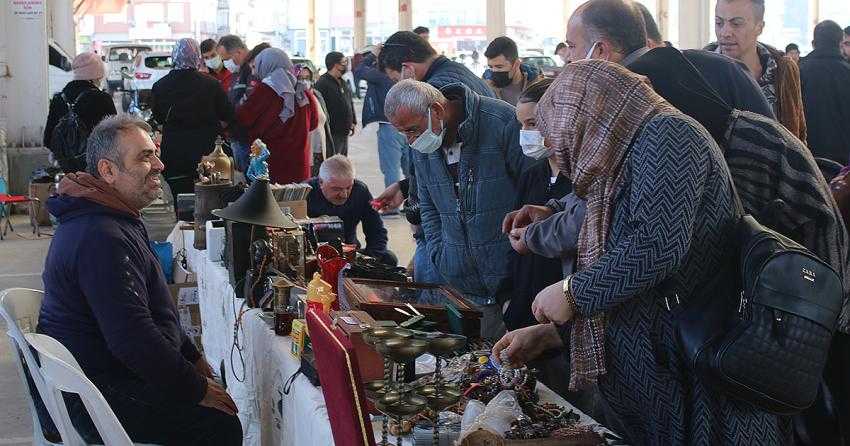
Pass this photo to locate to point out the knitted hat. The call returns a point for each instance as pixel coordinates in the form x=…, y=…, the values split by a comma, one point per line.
x=88, y=66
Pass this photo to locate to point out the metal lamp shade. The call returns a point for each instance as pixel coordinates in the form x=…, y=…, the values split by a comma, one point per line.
x=257, y=206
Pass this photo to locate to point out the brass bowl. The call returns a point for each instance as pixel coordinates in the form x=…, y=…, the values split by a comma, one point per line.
x=446, y=344
x=400, y=404
x=402, y=349
x=440, y=398
x=373, y=335
x=377, y=389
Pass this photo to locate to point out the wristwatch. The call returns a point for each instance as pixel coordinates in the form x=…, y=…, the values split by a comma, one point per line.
x=568, y=292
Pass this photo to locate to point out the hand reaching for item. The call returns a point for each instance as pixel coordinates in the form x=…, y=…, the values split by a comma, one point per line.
x=517, y=239
x=391, y=198
x=526, y=344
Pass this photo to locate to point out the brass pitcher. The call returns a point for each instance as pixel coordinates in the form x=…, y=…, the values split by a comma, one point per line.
x=222, y=164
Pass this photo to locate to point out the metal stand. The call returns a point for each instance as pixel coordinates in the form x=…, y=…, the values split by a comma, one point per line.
x=385, y=423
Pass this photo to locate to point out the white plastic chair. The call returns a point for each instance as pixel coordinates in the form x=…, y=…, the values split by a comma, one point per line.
x=62, y=374
x=20, y=308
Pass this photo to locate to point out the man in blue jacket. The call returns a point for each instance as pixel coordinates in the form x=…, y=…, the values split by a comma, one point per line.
x=468, y=159
x=106, y=300
x=392, y=148
x=406, y=55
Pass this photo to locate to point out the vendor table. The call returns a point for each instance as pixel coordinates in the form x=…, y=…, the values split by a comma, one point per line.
x=259, y=365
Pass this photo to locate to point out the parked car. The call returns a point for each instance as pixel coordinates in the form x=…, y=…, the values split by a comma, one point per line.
x=544, y=64
x=150, y=67
x=120, y=59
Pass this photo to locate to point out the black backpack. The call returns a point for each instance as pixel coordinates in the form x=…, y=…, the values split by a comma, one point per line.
x=764, y=338
x=69, y=137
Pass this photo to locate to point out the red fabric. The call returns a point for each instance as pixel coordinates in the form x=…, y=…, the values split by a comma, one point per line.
x=5, y=199
x=223, y=77
x=337, y=364
x=288, y=142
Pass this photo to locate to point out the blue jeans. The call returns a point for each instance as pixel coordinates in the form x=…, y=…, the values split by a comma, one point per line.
x=392, y=153
x=241, y=153
x=423, y=270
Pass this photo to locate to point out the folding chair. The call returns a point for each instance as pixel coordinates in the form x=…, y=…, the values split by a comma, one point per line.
x=6, y=202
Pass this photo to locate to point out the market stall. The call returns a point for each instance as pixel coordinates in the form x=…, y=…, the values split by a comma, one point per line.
x=274, y=407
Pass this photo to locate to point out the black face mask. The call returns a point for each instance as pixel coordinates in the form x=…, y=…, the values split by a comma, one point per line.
x=501, y=79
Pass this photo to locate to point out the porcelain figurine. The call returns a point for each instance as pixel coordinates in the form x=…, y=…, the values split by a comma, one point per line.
x=258, y=168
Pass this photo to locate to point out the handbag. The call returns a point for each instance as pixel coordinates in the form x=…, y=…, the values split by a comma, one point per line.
x=764, y=337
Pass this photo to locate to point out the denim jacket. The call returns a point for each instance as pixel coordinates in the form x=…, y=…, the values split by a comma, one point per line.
x=463, y=230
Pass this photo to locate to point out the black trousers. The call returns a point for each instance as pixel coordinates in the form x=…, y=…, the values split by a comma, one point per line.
x=827, y=421
x=148, y=416
x=340, y=143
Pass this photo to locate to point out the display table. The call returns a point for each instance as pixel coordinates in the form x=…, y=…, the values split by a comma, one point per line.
x=269, y=416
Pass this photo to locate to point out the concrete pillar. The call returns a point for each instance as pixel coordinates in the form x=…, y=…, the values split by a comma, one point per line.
x=405, y=15
x=312, y=32
x=496, y=19
x=23, y=85
x=359, y=24
x=694, y=20
x=814, y=5
x=662, y=16
x=568, y=7
x=62, y=28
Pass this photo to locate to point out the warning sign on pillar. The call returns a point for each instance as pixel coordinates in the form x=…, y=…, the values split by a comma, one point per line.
x=27, y=9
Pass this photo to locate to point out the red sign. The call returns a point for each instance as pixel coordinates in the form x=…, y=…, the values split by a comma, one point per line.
x=461, y=32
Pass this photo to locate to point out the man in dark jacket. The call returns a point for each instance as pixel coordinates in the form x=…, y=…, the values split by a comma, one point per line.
x=468, y=158
x=336, y=192
x=392, y=148
x=825, y=78
x=337, y=96
x=107, y=301
x=89, y=102
x=505, y=73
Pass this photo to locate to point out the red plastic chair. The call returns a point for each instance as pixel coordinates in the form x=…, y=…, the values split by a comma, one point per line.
x=6, y=202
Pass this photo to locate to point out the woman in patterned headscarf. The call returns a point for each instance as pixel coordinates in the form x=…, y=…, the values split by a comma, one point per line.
x=658, y=199
x=281, y=111
x=192, y=109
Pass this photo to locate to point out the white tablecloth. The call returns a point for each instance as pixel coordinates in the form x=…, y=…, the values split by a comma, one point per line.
x=268, y=416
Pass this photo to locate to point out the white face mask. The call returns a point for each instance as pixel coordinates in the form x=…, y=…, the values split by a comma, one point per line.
x=532, y=144
x=428, y=141
x=590, y=52
x=213, y=63
x=231, y=65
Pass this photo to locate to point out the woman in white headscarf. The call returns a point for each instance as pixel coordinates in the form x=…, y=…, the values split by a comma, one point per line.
x=280, y=111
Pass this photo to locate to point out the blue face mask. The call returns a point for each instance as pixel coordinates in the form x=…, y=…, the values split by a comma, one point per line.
x=428, y=141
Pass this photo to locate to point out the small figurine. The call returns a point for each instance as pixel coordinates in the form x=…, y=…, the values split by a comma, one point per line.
x=205, y=172
x=258, y=169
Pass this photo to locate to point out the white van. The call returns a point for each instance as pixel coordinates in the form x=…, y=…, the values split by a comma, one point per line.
x=121, y=58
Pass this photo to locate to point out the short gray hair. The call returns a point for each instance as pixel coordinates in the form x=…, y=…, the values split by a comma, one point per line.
x=104, y=140
x=415, y=96
x=337, y=166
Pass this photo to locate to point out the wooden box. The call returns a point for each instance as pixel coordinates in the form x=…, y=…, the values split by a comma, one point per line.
x=351, y=323
x=380, y=298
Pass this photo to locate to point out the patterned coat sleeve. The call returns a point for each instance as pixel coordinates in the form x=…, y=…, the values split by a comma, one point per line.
x=669, y=165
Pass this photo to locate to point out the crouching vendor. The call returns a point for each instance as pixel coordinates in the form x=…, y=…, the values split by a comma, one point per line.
x=337, y=193
x=107, y=301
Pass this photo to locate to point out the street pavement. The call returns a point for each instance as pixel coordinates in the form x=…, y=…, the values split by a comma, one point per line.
x=22, y=261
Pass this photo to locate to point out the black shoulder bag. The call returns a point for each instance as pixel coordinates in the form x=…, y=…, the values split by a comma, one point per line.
x=763, y=338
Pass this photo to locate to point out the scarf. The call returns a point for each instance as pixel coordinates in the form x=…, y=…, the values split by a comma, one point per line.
x=780, y=83
x=84, y=185
x=186, y=55
x=590, y=116
x=276, y=70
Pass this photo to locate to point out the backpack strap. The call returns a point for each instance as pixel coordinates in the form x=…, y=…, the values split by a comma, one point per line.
x=71, y=105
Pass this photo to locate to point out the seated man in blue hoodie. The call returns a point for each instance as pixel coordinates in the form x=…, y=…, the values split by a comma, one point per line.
x=107, y=301
x=468, y=160
x=505, y=73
